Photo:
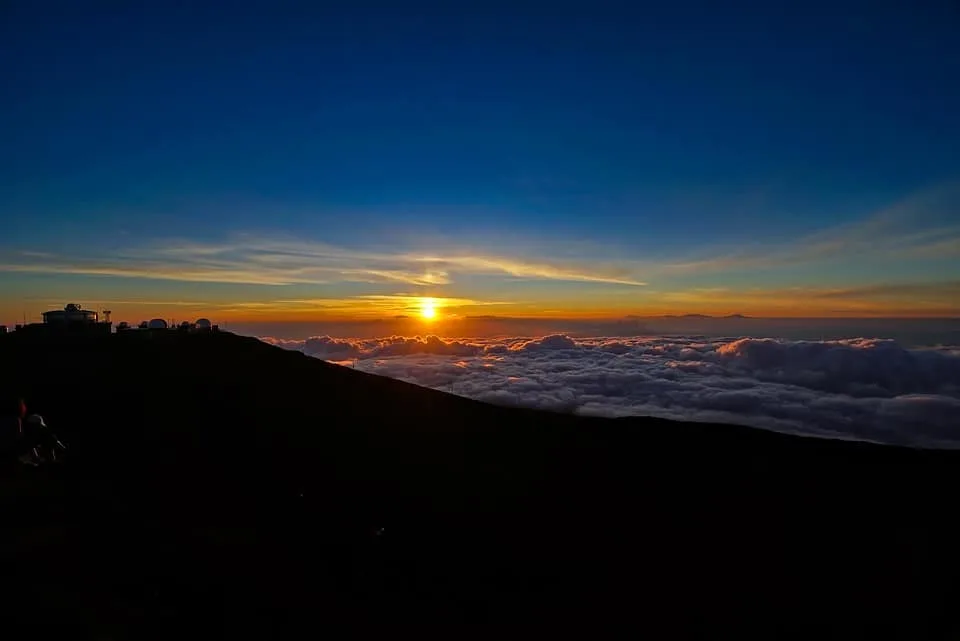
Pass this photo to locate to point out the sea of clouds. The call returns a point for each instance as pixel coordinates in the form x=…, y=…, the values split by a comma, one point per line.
x=860, y=388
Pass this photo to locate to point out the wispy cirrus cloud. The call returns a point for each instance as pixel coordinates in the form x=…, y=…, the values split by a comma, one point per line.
x=273, y=262
x=153, y=270
x=945, y=291
x=860, y=241
x=897, y=299
x=428, y=277
x=623, y=273
x=919, y=227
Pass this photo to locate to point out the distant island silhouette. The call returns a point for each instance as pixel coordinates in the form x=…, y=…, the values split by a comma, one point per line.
x=703, y=316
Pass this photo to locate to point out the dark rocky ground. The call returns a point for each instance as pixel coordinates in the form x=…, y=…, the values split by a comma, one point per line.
x=218, y=485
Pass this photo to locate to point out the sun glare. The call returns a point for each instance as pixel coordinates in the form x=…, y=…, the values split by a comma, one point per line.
x=428, y=309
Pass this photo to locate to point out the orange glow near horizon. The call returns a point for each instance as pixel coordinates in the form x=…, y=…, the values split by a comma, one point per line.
x=437, y=310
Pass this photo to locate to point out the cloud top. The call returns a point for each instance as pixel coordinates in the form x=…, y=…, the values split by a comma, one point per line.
x=860, y=388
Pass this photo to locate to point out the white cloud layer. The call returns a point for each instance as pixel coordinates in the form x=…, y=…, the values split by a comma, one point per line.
x=856, y=388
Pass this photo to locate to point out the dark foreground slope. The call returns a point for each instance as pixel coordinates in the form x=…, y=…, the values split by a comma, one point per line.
x=216, y=483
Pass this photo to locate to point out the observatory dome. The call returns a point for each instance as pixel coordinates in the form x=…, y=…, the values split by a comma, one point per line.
x=157, y=323
x=203, y=323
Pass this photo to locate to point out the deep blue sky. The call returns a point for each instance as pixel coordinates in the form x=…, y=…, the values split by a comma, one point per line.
x=648, y=131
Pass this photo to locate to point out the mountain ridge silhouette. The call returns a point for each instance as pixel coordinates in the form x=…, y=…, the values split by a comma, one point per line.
x=217, y=482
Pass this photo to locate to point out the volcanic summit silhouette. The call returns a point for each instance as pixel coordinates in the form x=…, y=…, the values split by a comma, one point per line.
x=216, y=483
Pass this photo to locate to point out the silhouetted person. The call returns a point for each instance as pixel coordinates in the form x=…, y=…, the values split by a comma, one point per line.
x=40, y=444
x=26, y=437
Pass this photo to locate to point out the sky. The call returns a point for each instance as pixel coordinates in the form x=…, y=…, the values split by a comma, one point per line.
x=356, y=162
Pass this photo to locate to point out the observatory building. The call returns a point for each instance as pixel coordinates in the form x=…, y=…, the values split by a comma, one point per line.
x=72, y=314
x=72, y=319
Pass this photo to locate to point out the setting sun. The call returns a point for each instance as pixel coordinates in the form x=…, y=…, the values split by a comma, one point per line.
x=428, y=308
